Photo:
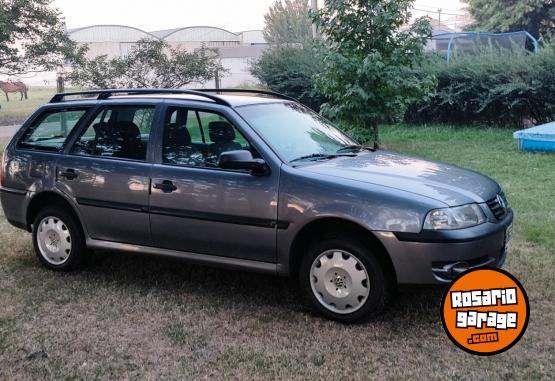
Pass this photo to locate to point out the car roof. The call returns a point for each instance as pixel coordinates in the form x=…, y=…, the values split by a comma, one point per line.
x=233, y=100
x=225, y=97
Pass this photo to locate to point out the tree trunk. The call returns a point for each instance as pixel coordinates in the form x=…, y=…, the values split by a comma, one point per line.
x=375, y=134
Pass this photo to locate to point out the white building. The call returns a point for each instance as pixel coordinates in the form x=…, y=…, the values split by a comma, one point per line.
x=237, y=50
x=110, y=40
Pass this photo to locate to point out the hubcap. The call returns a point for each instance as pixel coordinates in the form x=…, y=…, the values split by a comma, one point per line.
x=339, y=281
x=54, y=240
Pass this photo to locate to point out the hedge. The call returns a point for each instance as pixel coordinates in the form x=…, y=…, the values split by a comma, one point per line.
x=290, y=70
x=495, y=87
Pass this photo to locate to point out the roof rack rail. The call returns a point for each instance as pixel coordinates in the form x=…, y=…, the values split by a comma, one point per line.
x=249, y=91
x=105, y=94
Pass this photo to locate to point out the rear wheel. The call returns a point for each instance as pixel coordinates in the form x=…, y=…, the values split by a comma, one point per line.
x=58, y=239
x=343, y=280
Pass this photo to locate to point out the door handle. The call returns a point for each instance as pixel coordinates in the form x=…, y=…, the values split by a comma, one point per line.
x=165, y=186
x=69, y=174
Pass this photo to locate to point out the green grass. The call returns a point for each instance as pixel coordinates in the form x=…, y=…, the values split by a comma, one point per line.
x=526, y=177
x=127, y=317
x=16, y=111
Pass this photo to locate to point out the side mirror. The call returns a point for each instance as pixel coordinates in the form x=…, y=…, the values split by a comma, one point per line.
x=243, y=160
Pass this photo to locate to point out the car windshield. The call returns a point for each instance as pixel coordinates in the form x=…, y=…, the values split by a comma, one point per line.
x=296, y=132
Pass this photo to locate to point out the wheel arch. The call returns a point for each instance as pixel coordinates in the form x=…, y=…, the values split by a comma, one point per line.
x=318, y=228
x=49, y=198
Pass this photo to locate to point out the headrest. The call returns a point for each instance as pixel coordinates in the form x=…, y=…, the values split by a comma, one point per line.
x=101, y=129
x=119, y=130
x=177, y=134
x=221, y=132
x=128, y=129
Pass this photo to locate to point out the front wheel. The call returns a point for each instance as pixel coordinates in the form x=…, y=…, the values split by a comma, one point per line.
x=58, y=239
x=343, y=280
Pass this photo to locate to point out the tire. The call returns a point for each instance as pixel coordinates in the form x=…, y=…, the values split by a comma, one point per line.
x=58, y=239
x=342, y=279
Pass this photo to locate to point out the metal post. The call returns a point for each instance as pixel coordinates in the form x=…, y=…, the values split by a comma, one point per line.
x=439, y=18
x=60, y=83
x=217, y=79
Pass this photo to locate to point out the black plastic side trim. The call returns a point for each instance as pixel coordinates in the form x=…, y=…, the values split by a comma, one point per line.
x=112, y=205
x=18, y=192
x=203, y=259
x=19, y=225
x=224, y=218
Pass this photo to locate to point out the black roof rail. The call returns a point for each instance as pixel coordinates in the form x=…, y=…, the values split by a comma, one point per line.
x=249, y=91
x=105, y=94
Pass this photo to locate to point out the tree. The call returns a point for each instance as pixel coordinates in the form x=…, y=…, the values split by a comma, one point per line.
x=534, y=16
x=290, y=70
x=288, y=21
x=32, y=37
x=150, y=63
x=369, y=74
x=290, y=64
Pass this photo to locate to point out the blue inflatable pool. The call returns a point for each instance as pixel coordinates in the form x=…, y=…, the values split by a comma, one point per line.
x=539, y=138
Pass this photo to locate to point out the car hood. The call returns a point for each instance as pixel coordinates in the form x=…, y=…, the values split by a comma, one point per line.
x=443, y=182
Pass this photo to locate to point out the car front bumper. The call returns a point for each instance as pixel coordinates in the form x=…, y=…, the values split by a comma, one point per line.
x=436, y=257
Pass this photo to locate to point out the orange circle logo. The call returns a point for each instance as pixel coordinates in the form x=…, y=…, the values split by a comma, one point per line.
x=485, y=311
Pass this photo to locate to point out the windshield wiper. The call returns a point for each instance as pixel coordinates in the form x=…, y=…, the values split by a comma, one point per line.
x=357, y=147
x=323, y=156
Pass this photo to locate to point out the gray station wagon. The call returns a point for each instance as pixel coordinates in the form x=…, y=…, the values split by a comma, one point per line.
x=247, y=180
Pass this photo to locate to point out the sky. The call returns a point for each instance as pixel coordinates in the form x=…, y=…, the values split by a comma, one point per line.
x=150, y=15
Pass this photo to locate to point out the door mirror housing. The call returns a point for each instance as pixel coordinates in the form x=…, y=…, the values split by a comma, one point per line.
x=243, y=160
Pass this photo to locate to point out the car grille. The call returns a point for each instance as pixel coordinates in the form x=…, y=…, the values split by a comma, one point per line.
x=498, y=206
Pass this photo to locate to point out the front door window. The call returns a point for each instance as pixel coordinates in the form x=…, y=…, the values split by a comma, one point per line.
x=197, y=138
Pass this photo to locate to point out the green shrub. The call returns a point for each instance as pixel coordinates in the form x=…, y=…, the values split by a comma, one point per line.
x=496, y=87
x=290, y=69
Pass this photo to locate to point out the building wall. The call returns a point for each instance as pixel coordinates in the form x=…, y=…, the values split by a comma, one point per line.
x=253, y=37
x=202, y=34
x=108, y=33
x=237, y=72
x=237, y=50
x=110, y=40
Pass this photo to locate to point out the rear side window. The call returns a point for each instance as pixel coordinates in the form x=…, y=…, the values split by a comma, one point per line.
x=119, y=132
x=50, y=130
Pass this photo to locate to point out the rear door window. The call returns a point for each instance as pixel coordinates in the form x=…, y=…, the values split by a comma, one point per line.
x=118, y=132
x=50, y=130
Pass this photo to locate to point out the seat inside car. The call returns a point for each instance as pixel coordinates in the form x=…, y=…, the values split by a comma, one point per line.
x=178, y=147
x=222, y=136
x=120, y=139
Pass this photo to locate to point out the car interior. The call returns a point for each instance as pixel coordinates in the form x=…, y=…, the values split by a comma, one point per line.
x=191, y=137
x=119, y=139
x=115, y=133
x=179, y=147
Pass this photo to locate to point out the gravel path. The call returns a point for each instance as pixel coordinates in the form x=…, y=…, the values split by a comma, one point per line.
x=8, y=131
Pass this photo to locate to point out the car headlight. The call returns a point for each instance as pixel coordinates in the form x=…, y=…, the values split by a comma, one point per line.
x=458, y=217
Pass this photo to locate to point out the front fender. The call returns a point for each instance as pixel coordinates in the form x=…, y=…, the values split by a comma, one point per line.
x=306, y=197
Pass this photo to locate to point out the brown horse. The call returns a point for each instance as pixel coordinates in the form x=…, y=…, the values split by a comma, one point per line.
x=14, y=87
